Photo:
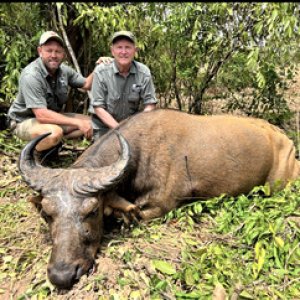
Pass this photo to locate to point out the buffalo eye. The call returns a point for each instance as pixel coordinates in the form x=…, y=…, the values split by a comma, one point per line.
x=46, y=217
x=93, y=214
x=89, y=208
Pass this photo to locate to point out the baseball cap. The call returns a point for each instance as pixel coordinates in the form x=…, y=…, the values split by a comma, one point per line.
x=46, y=36
x=123, y=33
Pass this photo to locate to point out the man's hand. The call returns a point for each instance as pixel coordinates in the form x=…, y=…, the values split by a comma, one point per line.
x=105, y=60
x=85, y=126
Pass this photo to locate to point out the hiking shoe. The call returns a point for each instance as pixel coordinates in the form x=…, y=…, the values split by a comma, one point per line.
x=48, y=155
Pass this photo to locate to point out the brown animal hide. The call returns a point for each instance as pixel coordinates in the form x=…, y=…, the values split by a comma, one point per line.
x=170, y=157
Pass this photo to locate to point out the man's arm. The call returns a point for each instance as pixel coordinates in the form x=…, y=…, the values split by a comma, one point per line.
x=148, y=93
x=106, y=117
x=149, y=107
x=89, y=80
x=99, y=100
x=47, y=116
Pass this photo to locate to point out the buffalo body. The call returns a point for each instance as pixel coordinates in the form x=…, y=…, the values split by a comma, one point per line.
x=170, y=157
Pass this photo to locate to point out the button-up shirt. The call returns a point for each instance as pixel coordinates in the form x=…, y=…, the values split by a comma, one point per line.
x=121, y=96
x=37, y=89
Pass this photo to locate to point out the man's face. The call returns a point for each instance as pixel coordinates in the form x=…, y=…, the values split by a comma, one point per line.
x=123, y=51
x=52, y=54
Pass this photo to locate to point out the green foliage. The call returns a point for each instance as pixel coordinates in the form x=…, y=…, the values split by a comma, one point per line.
x=269, y=226
x=18, y=42
x=16, y=259
x=188, y=214
x=257, y=233
x=164, y=267
x=10, y=143
x=200, y=42
x=266, y=101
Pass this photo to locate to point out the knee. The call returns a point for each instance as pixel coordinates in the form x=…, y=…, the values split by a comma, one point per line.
x=52, y=140
x=56, y=136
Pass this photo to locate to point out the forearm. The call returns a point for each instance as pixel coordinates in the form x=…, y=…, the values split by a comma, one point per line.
x=88, y=82
x=46, y=116
x=106, y=117
x=149, y=107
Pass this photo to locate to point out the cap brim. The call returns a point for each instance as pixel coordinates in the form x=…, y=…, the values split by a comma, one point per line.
x=53, y=38
x=123, y=37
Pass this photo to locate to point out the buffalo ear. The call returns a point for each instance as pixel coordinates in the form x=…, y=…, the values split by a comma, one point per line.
x=36, y=201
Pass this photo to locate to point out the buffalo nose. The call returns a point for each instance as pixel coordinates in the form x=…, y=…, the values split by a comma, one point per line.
x=63, y=275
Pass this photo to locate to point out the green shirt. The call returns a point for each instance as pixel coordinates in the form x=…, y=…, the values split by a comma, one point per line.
x=121, y=96
x=37, y=89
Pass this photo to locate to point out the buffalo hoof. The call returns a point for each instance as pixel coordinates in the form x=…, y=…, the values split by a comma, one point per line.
x=129, y=217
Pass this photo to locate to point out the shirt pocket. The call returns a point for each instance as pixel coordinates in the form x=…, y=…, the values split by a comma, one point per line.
x=112, y=101
x=134, y=96
x=133, y=102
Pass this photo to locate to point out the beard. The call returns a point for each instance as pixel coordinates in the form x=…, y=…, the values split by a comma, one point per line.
x=52, y=65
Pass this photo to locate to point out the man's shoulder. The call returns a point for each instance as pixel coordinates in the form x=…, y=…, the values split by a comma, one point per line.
x=66, y=68
x=103, y=68
x=142, y=68
x=32, y=71
x=32, y=67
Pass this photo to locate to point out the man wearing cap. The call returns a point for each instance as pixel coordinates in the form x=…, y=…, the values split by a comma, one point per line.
x=121, y=87
x=43, y=91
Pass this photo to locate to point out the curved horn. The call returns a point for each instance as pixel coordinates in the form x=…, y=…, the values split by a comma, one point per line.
x=92, y=181
x=30, y=169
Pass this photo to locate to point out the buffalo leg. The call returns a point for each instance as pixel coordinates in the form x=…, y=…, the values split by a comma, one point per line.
x=114, y=202
x=148, y=208
x=151, y=213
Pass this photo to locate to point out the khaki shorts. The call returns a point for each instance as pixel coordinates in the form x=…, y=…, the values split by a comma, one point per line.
x=23, y=129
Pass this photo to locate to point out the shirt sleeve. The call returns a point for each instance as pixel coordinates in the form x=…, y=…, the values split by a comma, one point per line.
x=75, y=79
x=99, y=90
x=33, y=92
x=148, y=91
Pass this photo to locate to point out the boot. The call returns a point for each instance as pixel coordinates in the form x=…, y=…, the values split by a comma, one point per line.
x=48, y=155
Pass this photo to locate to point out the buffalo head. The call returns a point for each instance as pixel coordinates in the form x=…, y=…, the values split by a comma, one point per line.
x=70, y=203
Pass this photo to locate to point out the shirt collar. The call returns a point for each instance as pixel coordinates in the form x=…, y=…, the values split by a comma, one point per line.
x=132, y=67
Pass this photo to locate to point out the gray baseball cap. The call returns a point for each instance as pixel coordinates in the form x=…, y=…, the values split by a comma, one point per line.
x=123, y=33
x=46, y=36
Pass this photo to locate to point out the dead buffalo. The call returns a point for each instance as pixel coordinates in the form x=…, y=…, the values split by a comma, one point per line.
x=166, y=157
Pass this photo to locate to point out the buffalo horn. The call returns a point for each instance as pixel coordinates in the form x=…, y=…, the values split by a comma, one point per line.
x=105, y=178
x=32, y=172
